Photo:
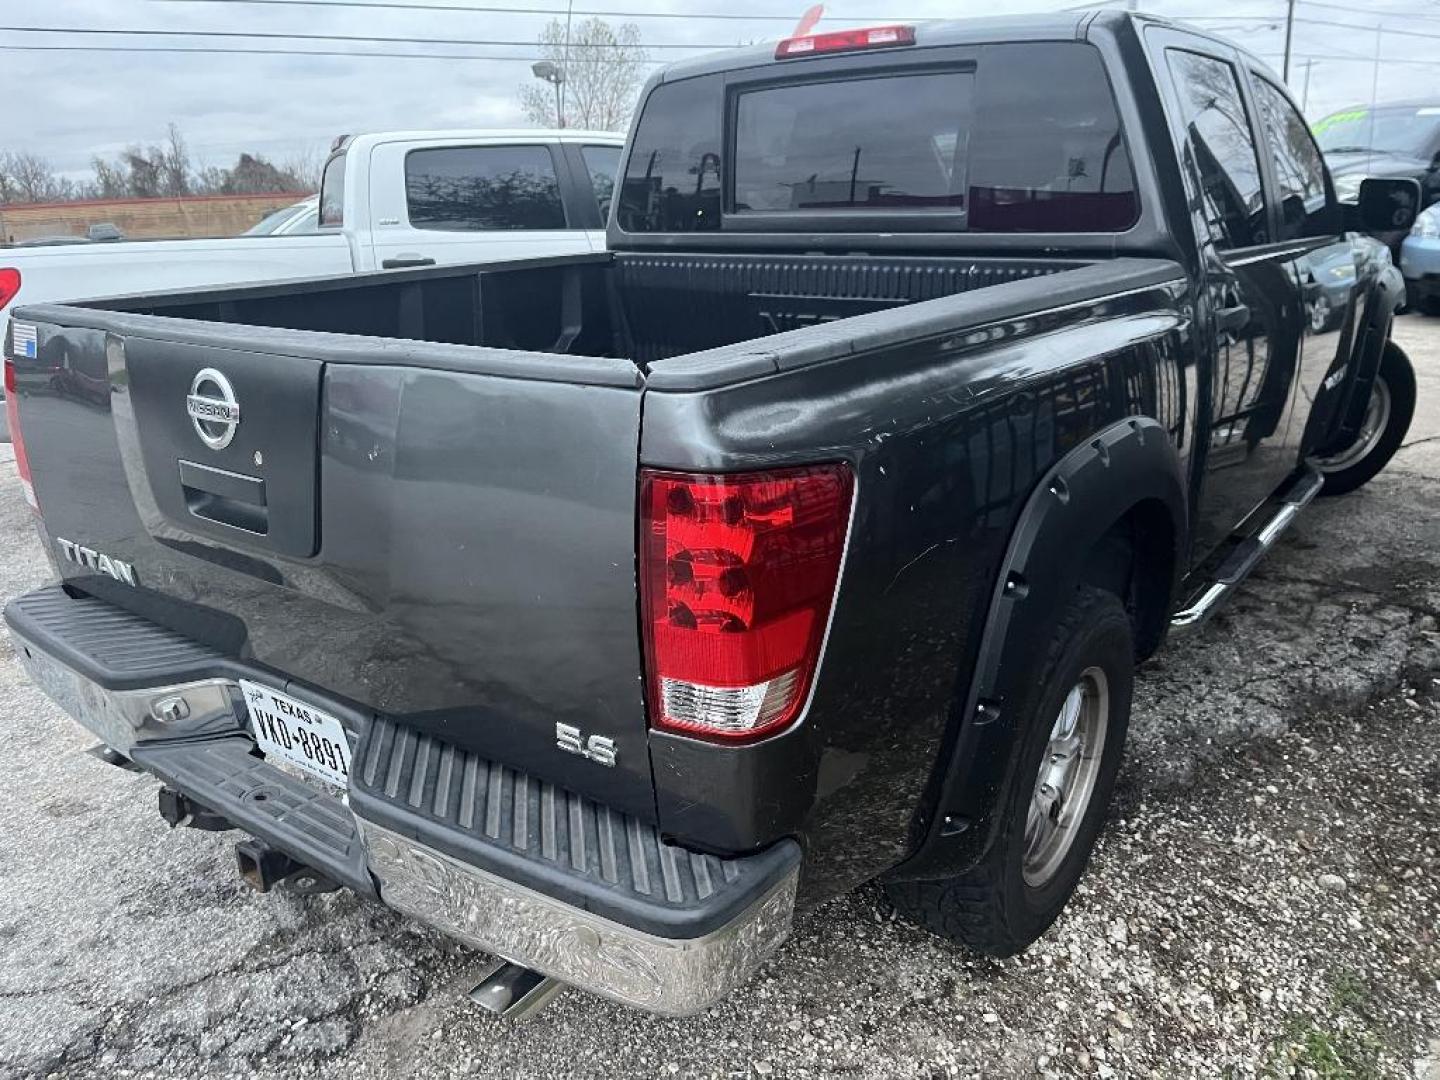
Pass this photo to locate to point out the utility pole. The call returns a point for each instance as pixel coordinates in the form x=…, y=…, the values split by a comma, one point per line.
x=1305, y=93
x=1289, y=32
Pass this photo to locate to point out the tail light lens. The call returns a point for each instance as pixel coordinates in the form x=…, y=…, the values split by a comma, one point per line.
x=12, y=416
x=738, y=578
x=9, y=285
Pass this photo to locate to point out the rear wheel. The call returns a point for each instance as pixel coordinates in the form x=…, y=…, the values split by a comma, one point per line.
x=1072, y=726
x=1387, y=419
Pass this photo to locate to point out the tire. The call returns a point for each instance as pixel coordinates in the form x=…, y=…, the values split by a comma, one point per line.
x=1008, y=899
x=1387, y=419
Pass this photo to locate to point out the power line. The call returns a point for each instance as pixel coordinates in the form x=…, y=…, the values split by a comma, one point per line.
x=1374, y=11
x=1277, y=20
x=214, y=51
x=604, y=12
x=269, y=35
x=223, y=51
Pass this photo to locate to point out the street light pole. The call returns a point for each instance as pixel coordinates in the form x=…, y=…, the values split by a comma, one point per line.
x=549, y=71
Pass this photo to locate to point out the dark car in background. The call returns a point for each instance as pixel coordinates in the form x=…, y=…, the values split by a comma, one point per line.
x=1397, y=139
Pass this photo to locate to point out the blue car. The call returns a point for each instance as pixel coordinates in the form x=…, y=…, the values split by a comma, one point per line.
x=1420, y=261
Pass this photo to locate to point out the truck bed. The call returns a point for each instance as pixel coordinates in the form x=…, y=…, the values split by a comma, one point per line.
x=640, y=307
x=428, y=509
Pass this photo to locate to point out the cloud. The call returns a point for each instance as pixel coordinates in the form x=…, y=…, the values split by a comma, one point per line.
x=76, y=104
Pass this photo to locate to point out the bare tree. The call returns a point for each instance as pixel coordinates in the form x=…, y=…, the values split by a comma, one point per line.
x=603, y=68
x=154, y=171
x=306, y=168
x=110, y=180
x=28, y=178
x=175, y=163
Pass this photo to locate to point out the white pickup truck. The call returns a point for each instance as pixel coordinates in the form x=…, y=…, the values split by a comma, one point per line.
x=387, y=200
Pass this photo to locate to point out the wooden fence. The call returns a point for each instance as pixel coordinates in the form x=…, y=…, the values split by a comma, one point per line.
x=188, y=216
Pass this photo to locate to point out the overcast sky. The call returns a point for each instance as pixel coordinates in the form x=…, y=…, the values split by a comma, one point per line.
x=68, y=106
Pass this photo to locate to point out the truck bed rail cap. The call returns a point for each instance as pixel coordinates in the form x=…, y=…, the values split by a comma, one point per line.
x=876, y=330
x=333, y=348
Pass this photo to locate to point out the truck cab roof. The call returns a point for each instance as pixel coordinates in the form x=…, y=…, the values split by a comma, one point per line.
x=507, y=135
x=937, y=33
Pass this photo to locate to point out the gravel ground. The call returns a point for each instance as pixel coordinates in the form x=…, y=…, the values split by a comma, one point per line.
x=1265, y=900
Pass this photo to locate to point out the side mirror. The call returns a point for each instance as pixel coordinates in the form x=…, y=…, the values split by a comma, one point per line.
x=1388, y=204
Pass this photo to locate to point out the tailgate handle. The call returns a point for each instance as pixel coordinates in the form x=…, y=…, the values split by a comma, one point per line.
x=225, y=497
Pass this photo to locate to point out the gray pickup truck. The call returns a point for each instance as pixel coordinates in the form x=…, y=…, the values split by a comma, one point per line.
x=600, y=610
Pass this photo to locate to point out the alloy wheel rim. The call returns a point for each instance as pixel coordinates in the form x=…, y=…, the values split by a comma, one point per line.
x=1066, y=780
x=1372, y=430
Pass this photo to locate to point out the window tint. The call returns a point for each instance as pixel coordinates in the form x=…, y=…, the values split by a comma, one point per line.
x=1047, y=153
x=471, y=188
x=603, y=164
x=1299, y=169
x=332, y=191
x=885, y=142
x=1222, y=147
x=672, y=177
x=1011, y=151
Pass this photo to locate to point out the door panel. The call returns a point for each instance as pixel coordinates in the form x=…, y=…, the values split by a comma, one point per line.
x=1253, y=391
x=1323, y=261
x=465, y=202
x=1249, y=287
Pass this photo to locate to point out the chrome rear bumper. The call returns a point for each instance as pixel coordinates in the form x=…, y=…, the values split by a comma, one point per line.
x=669, y=976
x=191, y=733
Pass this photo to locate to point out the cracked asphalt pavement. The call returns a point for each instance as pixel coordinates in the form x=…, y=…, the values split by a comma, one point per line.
x=1265, y=900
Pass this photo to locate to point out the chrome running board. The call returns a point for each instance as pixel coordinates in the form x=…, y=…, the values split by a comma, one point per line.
x=1247, y=554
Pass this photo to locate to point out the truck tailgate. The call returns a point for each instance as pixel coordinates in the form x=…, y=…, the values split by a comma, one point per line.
x=441, y=535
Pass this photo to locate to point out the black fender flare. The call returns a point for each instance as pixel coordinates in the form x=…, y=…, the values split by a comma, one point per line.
x=1076, y=503
x=1377, y=318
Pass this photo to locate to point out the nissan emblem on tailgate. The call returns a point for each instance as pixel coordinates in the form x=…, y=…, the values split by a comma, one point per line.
x=213, y=409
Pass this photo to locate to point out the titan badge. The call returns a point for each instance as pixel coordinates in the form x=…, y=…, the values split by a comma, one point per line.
x=91, y=559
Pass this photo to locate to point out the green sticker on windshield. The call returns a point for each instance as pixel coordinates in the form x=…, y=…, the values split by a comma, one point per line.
x=1337, y=118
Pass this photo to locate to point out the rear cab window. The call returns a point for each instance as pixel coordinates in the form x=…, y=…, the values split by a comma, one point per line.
x=979, y=144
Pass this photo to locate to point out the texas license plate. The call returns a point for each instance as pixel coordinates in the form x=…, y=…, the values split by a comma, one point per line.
x=298, y=733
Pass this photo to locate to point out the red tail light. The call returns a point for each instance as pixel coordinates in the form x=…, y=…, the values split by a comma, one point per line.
x=738, y=578
x=12, y=416
x=9, y=285
x=877, y=37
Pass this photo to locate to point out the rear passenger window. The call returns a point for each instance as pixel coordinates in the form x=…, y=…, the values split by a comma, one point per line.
x=473, y=188
x=1299, y=169
x=1222, y=148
